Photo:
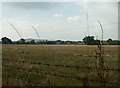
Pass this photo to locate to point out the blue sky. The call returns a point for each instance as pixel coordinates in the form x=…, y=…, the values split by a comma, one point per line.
x=59, y=20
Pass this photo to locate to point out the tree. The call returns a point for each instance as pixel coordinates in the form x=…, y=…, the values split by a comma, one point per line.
x=6, y=40
x=32, y=42
x=110, y=41
x=22, y=41
x=89, y=40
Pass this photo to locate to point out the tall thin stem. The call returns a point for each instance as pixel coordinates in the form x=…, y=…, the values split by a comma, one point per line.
x=36, y=32
x=15, y=29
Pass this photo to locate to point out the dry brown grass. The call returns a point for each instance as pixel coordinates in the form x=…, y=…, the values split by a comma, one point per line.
x=54, y=55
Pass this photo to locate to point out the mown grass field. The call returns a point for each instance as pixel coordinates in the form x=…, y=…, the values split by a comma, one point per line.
x=55, y=65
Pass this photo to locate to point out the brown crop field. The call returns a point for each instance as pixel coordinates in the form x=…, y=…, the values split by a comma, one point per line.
x=56, y=65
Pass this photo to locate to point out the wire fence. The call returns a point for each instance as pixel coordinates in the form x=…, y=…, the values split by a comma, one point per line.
x=59, y=65
x=37, y=71
x=57, y=75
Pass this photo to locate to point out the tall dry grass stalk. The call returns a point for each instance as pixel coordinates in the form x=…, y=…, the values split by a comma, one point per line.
x=101, y=66
x=36, y=32
x=15, y=29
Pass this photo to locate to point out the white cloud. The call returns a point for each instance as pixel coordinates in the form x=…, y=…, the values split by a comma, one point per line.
x=106, y=12
x=74, y=18
x=58, y=15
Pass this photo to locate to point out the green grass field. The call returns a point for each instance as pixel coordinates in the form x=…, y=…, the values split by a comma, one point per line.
x=55, y=65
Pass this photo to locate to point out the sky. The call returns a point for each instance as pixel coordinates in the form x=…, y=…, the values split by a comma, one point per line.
x=59, y=20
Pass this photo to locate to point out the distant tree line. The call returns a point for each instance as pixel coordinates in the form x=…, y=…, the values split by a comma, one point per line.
x=87, y=40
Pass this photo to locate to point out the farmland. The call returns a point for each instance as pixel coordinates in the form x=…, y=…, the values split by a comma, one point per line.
x=55, y=65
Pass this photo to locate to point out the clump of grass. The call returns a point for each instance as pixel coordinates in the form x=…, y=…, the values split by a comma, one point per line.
x=46, y=82
x=85, y=81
